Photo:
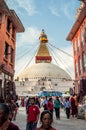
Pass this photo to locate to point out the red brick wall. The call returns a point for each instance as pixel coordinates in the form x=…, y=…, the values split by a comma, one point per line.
x=6, y=37
x=79, y=53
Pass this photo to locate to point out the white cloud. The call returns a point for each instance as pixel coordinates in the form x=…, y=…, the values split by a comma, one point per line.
x=27, y=5
x=54, y=10
x=63, y=57
x=68, y=9
x=65, y=61
x=30, y=36
x=23, y=63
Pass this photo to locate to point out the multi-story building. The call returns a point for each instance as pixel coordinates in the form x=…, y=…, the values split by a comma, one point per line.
x=10, y=24
x=78, y=37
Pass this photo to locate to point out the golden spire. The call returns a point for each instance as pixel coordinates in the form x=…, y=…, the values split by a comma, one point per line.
x=43, y=55
x=43, y=37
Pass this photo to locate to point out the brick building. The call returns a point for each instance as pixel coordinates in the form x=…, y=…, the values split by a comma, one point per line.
x=10, y=24
x=78, y=37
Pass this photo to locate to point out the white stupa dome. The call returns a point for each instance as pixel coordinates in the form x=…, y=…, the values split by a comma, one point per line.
x=42, y=70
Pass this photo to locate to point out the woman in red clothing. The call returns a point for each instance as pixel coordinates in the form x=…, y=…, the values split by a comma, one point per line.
x=73, y=106
x=46, y=120
x=50, y=105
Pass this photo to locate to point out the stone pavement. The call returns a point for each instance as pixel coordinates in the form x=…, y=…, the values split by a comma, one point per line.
x=62, y=124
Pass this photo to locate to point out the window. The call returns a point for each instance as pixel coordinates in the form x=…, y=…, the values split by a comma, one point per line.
x=85, y=34
x=6, y=50
x=0, y=18
x=78, y=44
x=75, y=48
x=84, y=61
x=13, y=32
x=76, y=69
x=11, y=55
x=8, y=25
x=82, y=38
x=80, y=66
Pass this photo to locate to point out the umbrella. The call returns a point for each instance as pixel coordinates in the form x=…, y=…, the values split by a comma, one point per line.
x=49, y=93
x=56, y=93
x=43, y=94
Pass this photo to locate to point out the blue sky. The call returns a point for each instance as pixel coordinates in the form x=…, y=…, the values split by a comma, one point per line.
x=56, y=17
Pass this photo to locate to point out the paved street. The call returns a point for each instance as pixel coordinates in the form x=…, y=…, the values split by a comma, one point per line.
x=63, y=124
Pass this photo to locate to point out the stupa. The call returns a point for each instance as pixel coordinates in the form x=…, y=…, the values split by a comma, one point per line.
x=43, y=74
x=43, y=67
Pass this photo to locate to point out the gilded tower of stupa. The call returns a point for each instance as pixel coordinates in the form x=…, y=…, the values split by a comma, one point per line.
x=43, y=55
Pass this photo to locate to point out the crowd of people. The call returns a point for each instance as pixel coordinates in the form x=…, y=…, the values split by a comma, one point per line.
x=33, y=112
x=50, y=105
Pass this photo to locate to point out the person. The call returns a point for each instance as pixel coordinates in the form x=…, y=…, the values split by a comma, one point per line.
x=27, y=105
x=76, y=104
x=5, y=123
x=15, y=109
x=37, y=101
x=46, y=120
x=67, y=107
x=57, y=105
x=12, y=106
x=32, y=115
x=73, y=106
x=22, y=102
x=50, y=105
x=45, y=103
